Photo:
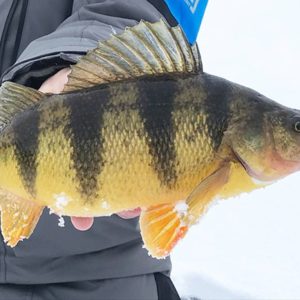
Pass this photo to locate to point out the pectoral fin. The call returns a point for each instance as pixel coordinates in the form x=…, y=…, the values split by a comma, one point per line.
x=18, y=218
x=161, y=228
x=207, y=191
x=164, y=225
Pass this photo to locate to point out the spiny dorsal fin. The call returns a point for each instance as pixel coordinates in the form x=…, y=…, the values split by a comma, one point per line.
x=15, y=98
x=145, y=49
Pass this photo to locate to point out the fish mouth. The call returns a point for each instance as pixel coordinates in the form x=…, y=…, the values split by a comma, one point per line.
x=278, y=168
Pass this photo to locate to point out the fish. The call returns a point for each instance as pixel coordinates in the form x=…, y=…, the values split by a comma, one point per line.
x=139, y=124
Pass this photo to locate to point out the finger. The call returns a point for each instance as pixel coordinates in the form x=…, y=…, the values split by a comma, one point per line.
x=82, y=223
x=129, y=214
x=56, y=83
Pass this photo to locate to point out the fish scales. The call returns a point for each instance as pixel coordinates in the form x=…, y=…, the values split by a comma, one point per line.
x=25, y=135
x=85, y=132
x=131, y=146
x=200, y=122
x=156, y=108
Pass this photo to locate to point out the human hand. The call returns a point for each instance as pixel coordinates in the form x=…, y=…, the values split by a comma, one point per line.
x=85, y=223
x=55, y=85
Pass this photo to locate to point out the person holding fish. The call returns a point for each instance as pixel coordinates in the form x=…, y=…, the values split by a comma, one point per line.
x=134, y=127
x=91, y=259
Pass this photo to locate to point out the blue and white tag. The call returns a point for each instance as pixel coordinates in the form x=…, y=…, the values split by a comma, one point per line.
x=189, y=14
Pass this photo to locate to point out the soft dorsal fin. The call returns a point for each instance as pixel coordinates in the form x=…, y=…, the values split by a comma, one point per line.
x=15, y=98
x=145, y=49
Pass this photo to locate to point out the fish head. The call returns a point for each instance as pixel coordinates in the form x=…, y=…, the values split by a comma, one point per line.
x=265, y=137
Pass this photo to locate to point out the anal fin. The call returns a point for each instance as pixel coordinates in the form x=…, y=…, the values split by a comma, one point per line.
x=164, y=225
x=18, y=218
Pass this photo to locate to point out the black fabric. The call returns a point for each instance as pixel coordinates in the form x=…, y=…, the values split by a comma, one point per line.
x=11, y=36
x=30, y=76
x=165, y=287
x=26, y=21
x=141, y=287
x=35, y=73
x=162, y=7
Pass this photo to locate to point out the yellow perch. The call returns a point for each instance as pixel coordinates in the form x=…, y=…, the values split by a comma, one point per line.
x=138, y=125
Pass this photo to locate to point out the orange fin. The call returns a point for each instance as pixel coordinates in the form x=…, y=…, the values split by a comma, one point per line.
x=161, y=228
x=164, y=225
x=18, y=218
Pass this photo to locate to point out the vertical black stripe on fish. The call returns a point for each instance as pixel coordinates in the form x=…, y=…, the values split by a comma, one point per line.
x=26, y=134
x=156, y=104
x=84, y=130
x=217, y=109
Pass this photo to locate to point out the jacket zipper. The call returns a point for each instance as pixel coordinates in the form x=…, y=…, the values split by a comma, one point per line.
x=12, y=33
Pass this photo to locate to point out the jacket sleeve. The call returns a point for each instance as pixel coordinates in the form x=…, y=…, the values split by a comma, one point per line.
x=88, y=24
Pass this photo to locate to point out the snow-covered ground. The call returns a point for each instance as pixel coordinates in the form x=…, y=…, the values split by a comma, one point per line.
x=249, y=247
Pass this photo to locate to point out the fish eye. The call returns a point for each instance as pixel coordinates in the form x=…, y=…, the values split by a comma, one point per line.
x=297, y=126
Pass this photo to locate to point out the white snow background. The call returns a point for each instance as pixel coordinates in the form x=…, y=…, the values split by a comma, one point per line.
x=249, y=247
